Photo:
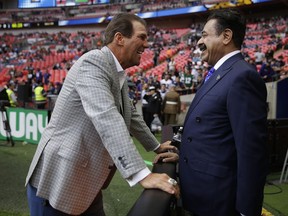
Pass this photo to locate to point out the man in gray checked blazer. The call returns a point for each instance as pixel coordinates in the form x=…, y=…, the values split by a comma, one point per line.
x=89, y=131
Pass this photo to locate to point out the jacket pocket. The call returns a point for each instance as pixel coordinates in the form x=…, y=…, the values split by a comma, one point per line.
x=210, y=169
x=73, y=156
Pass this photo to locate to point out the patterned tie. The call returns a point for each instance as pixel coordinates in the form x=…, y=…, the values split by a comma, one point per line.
x=210, y=72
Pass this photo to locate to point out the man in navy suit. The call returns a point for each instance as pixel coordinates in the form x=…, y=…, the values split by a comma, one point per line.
x=223, y=157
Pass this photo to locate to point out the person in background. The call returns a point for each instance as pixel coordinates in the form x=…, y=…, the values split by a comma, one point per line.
x=188, y=79
x=144, y=91
x=38, y=75
x=154, y=99
x=11, y=95
x=171, y=106
x=267, y=72
x=51, y=89
x=155, y=82
x=171, y=66
x=163, y=91
x=166, y=80
x=259, y=56
x=179, y=86
x=223, y=154
x=88, y=135
x=46, y=77
x=40, y=96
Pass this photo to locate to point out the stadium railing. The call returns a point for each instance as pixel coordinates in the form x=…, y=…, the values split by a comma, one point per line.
x=154, y=201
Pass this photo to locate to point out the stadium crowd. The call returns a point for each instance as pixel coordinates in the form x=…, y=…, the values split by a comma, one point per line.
x=85, y=10
x=171, y=62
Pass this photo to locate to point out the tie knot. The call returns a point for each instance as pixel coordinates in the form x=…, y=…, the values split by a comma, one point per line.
x=209, y=74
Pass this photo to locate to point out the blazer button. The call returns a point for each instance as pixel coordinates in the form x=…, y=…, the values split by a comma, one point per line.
x=189, y=139
x=198, y=119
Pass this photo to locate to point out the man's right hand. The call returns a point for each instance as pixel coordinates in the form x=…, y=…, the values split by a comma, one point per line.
x=160, y=181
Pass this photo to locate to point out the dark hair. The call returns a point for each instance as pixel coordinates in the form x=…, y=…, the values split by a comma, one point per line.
x=122, y=23
x=233, y=20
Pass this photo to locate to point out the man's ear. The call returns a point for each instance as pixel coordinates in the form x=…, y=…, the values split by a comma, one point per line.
x=227, y=36
x=119, y=38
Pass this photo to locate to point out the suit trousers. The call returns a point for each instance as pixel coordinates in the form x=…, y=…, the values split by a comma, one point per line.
x=40, y=207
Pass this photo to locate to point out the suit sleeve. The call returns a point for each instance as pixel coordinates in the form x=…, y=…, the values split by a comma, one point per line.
x=142, y=133
x=95, y=86
x=247, y=112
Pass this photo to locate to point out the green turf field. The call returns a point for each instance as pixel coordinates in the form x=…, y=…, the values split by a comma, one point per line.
x=118, y=197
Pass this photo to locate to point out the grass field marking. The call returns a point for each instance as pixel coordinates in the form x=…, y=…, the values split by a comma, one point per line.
x=148, y=163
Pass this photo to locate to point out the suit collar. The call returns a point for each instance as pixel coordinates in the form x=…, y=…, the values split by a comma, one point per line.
x=221, y=72
x=225, y=58
x=115, y=77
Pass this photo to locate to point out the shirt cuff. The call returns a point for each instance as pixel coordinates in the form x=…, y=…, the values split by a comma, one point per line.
x=134, y=179
x=156, y=147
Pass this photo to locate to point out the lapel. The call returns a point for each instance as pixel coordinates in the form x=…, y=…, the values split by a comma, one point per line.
x=221, y=72
x=126, y=104
x=121, y=98
x=116, y=91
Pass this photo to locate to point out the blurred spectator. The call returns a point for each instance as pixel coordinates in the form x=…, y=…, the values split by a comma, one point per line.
x=156, y=55
x=166, y=80
x=179, y=85
x=30, y=68
x=163, y=91
x=155, y=82
x=57, y=66
x=144, y=102
x=46, y=77
x=51, y=90
x=154, y=100
x=171, y=66
x=188, y=79
x=266, y=72
x=132, y=92
x=259, y=56
x=252, y=62
x=279, y=64
x=38, y=75
x=270, y=53
x=171, y=106
x=58, y=87
x=11, y=95
x=40, y=96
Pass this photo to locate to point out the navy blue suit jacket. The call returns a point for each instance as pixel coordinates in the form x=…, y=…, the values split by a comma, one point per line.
x=223, y=158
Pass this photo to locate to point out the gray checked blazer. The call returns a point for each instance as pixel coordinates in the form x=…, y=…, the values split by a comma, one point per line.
x=89, y=131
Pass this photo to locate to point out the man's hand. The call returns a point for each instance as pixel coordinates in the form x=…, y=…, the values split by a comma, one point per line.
x=166, y=157
x=166, y=153
x=160, y=181
x=165, y=147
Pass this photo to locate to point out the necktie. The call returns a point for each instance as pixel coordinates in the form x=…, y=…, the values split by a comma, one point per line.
x=210, y=72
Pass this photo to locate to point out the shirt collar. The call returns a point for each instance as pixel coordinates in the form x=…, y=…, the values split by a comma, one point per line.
x=224, y=58
x=118, y=66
